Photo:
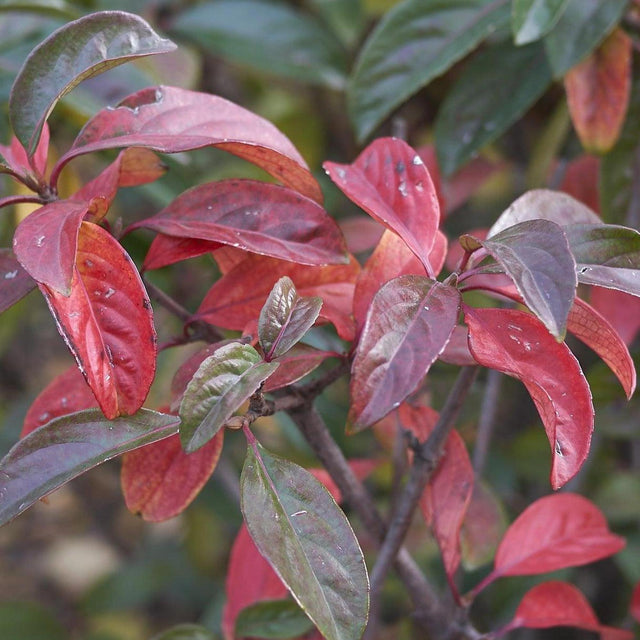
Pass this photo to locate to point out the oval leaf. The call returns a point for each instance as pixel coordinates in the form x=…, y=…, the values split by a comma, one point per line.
x=248, y=214
x=557, y=531
x=15, y=282
x=517, y=343
x=75, y=52
x=301, y=531
x=391, y=183
x=185, y=632
x=413, y=43
x=494, y=90
x=299, y=361
x=285, y=318
x=68, y=446
x=544, y=204
x=532, y=19
x=107, y=306
x=313, y=55
x=272, y=619
x=535, y=254
x=598, y=92
x=408, y=325
x=218, y=388
x=169, y=120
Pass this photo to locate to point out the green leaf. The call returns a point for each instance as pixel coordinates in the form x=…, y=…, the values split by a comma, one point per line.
x=272, y=619
x=535, y=254
x=415, y=42
x=185, y=632
x=493, y=91
x=581, y=28
x=266, y=36
x=28, y=621
x=619, y=169
x=218, y=388
x=68, y=446
x=285, y=318
x=301, y=531
x=345, y=17
x=54, y=8
x=532, y=19
x=75, y=52
x=544, y=204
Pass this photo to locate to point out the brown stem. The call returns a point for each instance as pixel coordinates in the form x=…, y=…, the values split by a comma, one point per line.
x=487, y=419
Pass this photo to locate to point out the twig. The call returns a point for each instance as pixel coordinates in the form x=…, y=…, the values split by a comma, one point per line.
x=424, y=463
x=487, y=420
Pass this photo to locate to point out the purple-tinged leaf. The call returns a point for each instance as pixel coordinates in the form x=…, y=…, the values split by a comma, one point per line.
x=298, y=362
x=301, y=531
x=548, y=205
x=218, y=388
x=166, y=250
x=255, y=216
x=391, y=183
x=46, y=242
x=15, y=282
x=408, y=325
x=285, y=318
x=169, y=120
x=519, y=345
x=79, y=50
x=606, y=255
x=67, y=447
x=535, y=254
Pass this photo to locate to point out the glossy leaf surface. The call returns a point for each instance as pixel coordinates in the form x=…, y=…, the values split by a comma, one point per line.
x=559, y=604
x=169, y=120
x=408, y=325
x=285, y=318
x=596, y=332
x=312, y=54
x=272, y=619
x=557, y=531
x=108, y=305
x=307, y=539
x=495, y=89
x=250, y=579
x=15, y=282
x=66, y=393
x=516, y=343
x=532, y=19
x=218, y=388
x=255, y=216
x=535, y=254
x=598, y=92
x=581, y=28
x=160, y=480
x=391, y=183
x=75, y=52
x=545, y=204
x=68, y=446
x=166, y=250
x=236, y=299
x=413, y=43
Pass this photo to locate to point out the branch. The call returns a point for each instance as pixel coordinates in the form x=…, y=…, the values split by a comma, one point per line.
x=487, y=419
x=424, y=464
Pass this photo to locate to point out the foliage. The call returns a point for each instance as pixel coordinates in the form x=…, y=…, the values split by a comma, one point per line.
x=291, y=299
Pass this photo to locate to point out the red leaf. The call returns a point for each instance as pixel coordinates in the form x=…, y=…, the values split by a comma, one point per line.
x=17, y=159
x=15, y=282
x=634, y=608
x=361, y=233
x=430, y=158
x=250, y=579
x=518, y=344
x=255, y=216
x=160, y=480
x=236, y=299
x=557, y=531
x=166, y=250
x=408, y=325
x=390, y=182
x=169, y=120
x=598, y=90
x=465, y=183
x=621, y=309
x=299, y=361
x=559, y=604
x=581, y=181
x=46, y=242
x=589, y=326
x=65, y=394
x=456, y=350
x=107, y=323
